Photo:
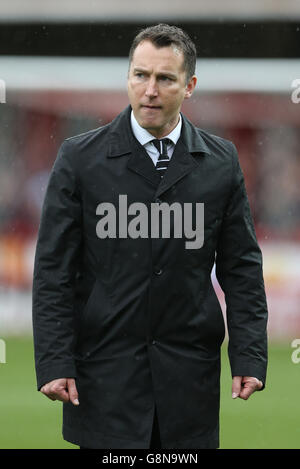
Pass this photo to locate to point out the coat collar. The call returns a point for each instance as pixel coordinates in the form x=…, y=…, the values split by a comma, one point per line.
x=121, y=136
x=122, y=142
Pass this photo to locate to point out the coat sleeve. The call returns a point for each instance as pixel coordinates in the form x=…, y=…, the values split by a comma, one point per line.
x=239, y=272
x=57, y=251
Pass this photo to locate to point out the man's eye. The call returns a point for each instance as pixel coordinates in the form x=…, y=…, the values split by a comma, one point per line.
x=163, y=78
x=139, y=74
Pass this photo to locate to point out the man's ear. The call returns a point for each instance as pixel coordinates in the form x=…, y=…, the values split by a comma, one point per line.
x=190, y=87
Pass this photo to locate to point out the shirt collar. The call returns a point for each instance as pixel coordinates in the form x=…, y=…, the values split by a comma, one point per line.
x=144, y=137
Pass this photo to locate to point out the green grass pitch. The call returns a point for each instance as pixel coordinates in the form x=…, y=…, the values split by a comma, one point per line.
x=269, y=419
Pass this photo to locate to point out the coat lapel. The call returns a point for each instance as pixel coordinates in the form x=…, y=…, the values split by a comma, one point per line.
x=141, y=163
x=122, y=142
x=182, y=162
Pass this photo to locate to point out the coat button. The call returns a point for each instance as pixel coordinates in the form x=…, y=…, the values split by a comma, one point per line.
x=153, y=342
x=158, y=201
x=158, y=271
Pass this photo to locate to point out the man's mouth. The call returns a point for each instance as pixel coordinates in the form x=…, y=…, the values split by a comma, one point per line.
x=150, y=106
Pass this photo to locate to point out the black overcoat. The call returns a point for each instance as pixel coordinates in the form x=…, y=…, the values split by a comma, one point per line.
x=136, y=320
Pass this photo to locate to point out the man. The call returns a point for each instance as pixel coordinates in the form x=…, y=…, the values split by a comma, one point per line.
x=127, y=326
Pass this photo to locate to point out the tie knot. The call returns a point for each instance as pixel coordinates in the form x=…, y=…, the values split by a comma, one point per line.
x=161, y=145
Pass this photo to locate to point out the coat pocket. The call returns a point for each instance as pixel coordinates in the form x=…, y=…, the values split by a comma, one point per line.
x=93, y=321
x=97, y=307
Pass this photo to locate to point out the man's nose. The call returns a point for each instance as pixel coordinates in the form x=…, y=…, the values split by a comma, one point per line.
x=151, y=90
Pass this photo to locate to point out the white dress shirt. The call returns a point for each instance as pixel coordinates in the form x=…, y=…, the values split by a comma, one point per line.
x=144, y=137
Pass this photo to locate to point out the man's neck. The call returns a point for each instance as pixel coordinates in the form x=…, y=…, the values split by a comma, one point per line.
x=144, y=135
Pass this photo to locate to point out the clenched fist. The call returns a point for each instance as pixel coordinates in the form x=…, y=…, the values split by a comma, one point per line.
x=62, y=389
x=244, y=386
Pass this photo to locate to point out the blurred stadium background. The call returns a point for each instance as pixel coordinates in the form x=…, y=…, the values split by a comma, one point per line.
x=64, y=66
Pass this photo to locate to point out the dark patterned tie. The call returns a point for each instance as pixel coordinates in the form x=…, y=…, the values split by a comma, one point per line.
x=163, y=160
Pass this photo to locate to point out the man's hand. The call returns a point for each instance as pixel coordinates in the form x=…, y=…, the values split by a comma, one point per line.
x=244, y=386
x=63, y=389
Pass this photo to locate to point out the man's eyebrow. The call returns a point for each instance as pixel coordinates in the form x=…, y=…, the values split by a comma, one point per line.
x=168, y=74
x=140, y=69
x=161, y=73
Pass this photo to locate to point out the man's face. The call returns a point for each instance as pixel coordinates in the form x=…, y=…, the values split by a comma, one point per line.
x=157, y=87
